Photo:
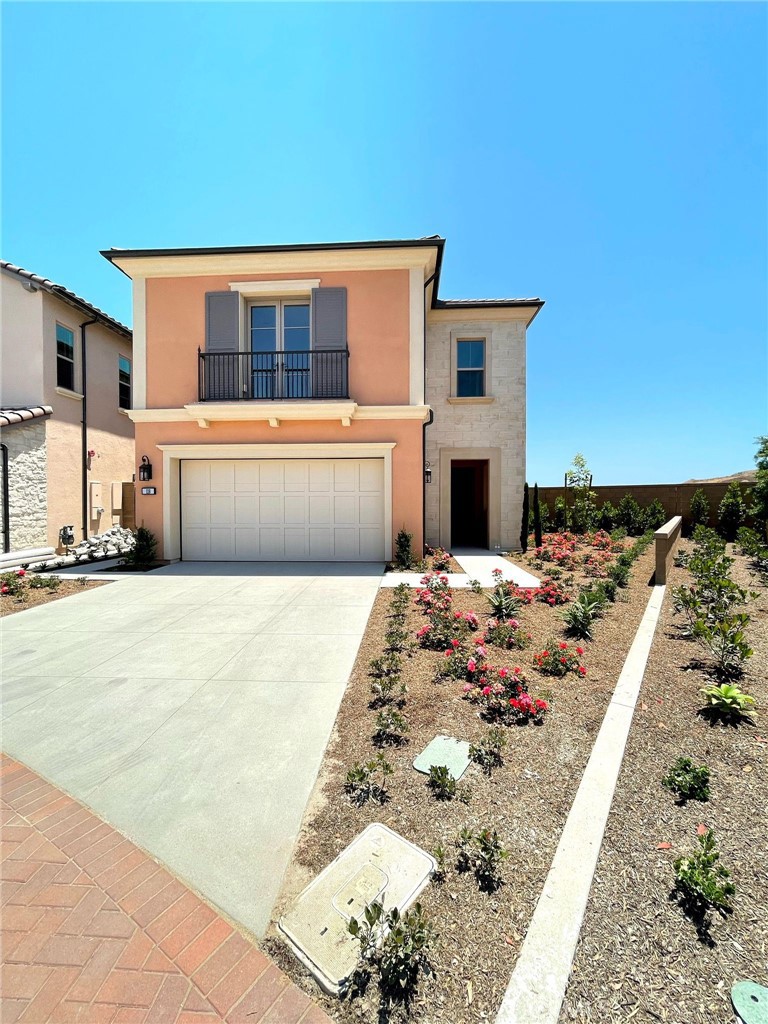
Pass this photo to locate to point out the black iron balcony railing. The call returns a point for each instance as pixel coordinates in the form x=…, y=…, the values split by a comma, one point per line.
x=270, y=376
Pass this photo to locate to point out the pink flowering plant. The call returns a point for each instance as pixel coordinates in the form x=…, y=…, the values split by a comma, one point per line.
x=558, y=548
x=441, y=559
x=444, y=623
x=558, y=659
x=506, y=634
x=12, y=583
x=551, y=592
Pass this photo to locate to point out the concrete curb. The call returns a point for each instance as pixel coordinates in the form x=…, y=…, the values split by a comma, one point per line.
x=537, y=987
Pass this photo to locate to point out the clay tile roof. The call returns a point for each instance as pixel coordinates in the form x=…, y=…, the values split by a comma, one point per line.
x=9, y=417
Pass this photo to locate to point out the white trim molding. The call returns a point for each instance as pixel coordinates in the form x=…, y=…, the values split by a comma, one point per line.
x=173, y=454
x=275, y=412
x=139, y=353
x=302, y=286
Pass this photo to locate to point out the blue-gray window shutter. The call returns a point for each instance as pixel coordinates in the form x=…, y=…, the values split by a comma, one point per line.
x=329, y=341
x=222, y=342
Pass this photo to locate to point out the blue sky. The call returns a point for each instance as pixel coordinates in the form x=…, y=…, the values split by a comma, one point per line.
x=610, y=158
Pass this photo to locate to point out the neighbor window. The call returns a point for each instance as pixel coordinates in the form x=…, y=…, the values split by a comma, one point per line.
x=124, y=383
x=470, y=367
x=65, y=358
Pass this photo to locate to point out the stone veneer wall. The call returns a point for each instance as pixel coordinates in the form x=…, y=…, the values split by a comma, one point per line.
x=500, y=424
x=28, y=486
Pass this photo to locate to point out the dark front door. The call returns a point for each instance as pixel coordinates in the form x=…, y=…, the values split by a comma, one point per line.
x=469, y=503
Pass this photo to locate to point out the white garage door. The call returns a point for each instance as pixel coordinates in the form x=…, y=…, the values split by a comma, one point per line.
x=319, y=509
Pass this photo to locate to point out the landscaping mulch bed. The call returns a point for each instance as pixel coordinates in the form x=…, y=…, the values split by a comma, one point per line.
x=9, y=604
x=526, y=800
x=639, y=956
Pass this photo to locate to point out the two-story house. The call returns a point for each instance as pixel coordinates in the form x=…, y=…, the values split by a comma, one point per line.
x=65, y=394
x=309, y=401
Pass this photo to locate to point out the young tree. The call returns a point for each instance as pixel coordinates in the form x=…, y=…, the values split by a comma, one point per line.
x=731, y=512
x=580, y=479
x=524, y=523
x=536, y=516
x=699, y=509
x=759, y=507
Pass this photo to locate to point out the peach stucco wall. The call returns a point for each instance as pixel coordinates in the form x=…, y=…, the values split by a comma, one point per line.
x=407, y=476
x=378, y=314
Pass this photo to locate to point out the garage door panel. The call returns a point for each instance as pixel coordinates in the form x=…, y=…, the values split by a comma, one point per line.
x=345, y=509
x=222, y=477
x=295, y=509
x=319, y=476
x=270, y=476
x=261, y=509
x=221, y=512
x=247, y=543
x=295, y=542
x=372, y=475
x=319, y=510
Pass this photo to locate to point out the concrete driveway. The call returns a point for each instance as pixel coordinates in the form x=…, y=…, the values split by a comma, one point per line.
x=191, y=708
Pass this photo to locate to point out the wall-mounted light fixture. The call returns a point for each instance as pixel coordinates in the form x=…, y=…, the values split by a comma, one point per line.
x=145, y=469
x=428, y=472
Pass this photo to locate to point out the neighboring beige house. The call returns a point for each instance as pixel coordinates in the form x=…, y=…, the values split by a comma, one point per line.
x=65, y=392
x=309, y=401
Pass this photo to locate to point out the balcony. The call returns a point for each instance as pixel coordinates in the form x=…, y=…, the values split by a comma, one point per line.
x=321, y=375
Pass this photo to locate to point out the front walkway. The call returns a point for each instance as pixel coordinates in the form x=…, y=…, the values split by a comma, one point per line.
x=478, y=564
x=95, y=931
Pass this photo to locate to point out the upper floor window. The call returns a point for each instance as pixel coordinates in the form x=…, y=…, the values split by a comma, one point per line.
x=124, y=383
x=65, y=358
x=470, y=367
x=280, y=347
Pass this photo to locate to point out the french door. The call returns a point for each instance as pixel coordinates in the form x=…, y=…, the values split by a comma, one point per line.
x=279, y=339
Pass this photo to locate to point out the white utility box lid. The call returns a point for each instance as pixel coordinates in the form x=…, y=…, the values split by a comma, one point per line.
x=377, y=865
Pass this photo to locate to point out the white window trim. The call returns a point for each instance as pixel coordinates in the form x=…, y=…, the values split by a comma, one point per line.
x=471, y=335
x=70, y=392
x=278, y=289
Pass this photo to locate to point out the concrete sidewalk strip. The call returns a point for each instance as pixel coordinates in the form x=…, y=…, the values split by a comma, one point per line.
x=538, y=983
x=477, y=565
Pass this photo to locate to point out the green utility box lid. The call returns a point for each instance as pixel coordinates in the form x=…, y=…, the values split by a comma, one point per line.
x=446, y=752
x=750, y=1001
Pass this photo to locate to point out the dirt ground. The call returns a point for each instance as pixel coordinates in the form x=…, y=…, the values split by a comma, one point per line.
x=639, y=956
x=9, y=604
x=526, y=800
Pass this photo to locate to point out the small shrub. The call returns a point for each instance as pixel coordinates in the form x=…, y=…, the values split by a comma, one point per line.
x=441, y=559
x=144, y=550
x=698, y=510
x=46, y=582
x=483, y=853
x=388, y=690
x=441, y=857
x=476, y=586
x=580, y=616
x=395, y=638
x=506, y=634
x=630, y=516
x=606, y=518
x=360, y=784
x=654, y=516
x=396, y=946
x=728, y=702
x=551, y=592
x=701, y=882
x=12, y=583
x=488, y=752
x=619, y=574
x=687, y=780
x=391, y=727
x=557, y=659
x=606, y=589
x=731, y=512
x=404, y=557
x=441, y=782
x=503, y=603
x=82, y=581
x=727, y=644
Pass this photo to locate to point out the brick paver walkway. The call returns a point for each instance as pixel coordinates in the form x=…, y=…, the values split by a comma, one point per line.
x=95, y=931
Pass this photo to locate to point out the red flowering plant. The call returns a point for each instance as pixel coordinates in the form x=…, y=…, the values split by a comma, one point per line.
x=558, y=659
x=444, y=623
x=457, y=664
x=595, y=563
x=12, y=583
x=507, y=634
x=601, y=540
x=503, y=695
x=551, y=592
x=558, y=548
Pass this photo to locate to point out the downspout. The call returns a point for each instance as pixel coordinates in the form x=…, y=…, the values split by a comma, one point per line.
x=6, y=502
x=426, y=423
x=84, y=421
